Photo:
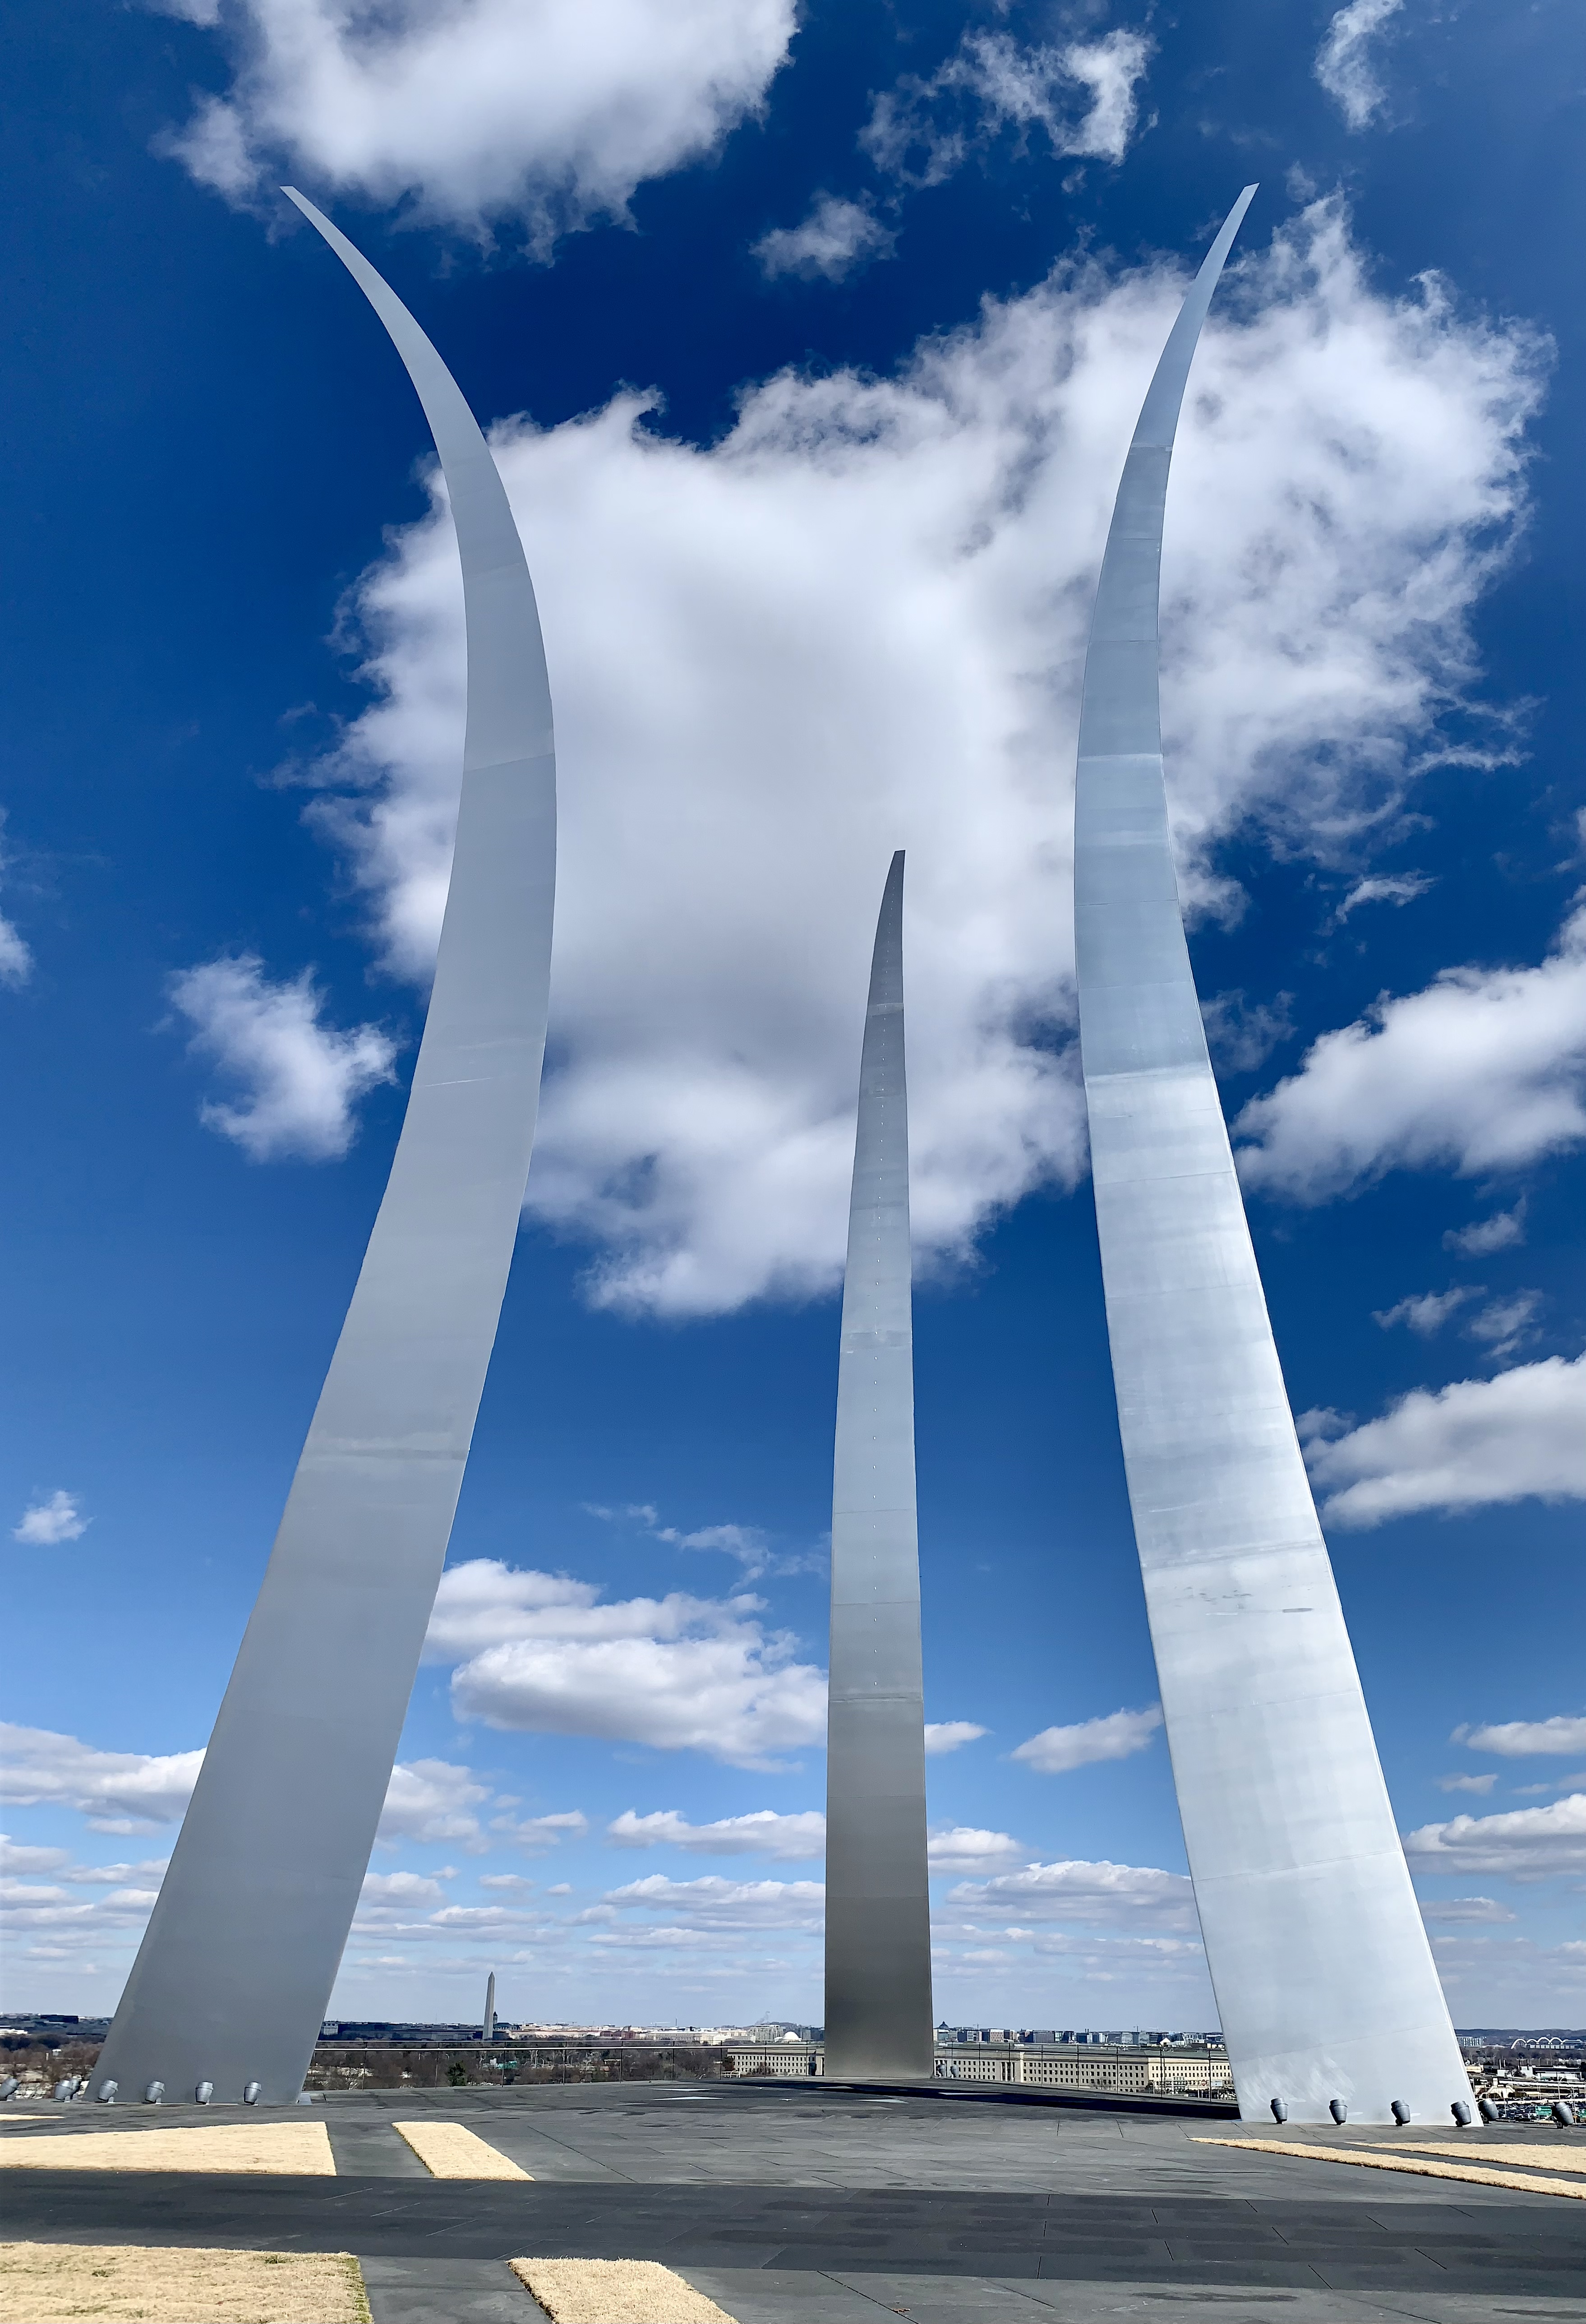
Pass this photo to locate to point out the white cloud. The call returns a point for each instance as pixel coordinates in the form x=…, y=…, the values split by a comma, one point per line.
x=1242, y=1034
x=1118, y=1893
x=717, y=1904
x=1401, y=887
x=950, y=1734
x=1466, y=1912
x=1526, y=1739
x=431, y=1799
x=117, y=1791
x=1466, y=1446
x=137, y=1791
x=873, y=593
x=1345, y=66
x=1505, y=1322
x=536, y=1834
x=1480, y=1785
x=1500, y=1232
x=407, y=1889
x=833, y=241
x=1485, y=1070
x=1057, y=1749
x=16, y=1857
x=1083, y=98
x=17, y=961
x=761, y=1833
x=299, y=1079
x=1426, y=1312
x=48, y=1522
x=677, y=1673
x=1524, y=1844
x=483, y=110
x=966, y=1849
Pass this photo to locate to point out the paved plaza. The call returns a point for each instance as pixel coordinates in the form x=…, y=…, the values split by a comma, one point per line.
x=808, y=2206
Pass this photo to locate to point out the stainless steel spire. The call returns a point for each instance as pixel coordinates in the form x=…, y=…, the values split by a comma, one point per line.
x=235, y=1969
x=878, y=1902
x=1321, y=1966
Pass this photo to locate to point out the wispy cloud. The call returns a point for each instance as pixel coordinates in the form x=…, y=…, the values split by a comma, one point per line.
x=1398, y=888
x=1346, y=65
x=1501, y=1232
x=1083, y=98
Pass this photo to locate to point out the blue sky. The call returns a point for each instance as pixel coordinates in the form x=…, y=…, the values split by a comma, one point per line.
x=812, y=346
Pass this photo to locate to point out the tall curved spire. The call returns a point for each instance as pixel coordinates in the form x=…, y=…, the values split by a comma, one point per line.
x=878, y=2002
x=1321, y=1966
x=234, y=1971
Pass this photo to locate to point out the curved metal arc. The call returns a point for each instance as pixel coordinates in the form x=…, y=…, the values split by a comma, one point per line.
x=1315, y=1947
x=877, y=1964
x=236, y=1966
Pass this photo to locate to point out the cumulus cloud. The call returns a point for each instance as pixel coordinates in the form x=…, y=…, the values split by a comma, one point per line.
x=481, y=110
x=966, y=1849
x=299, y=1080
x=950, y=1734
x=46, y=1523
x=1057, y=1749
x=761, y=1833
x=1480, y=1785
x=1346, y=66
x=432, y=1800
x=1082, y=97
x=1074, y=1890
x=677, y=1673
x=1466, y=1911
x=835, y=240
x=873, y=593
x=137, y=1791
x=716, y=1905
x=1485, y=1070
x=1466, y=1446
x=404, y=1889
x=1526, y=1738
x=117, y=1791
x=16, y=1857
x=1524, y=1844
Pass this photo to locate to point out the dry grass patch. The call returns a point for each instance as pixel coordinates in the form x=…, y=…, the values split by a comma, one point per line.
x=616, y=2292
x=448, y=2150
x=300, y=2150
x=130, y=2284
x=1530, y=2158
x=1408, y=2159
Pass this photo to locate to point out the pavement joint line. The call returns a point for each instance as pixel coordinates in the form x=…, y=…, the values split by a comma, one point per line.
x=1404, y=2159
